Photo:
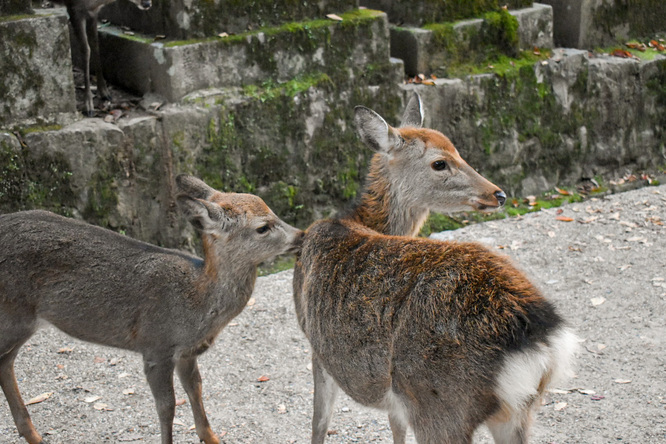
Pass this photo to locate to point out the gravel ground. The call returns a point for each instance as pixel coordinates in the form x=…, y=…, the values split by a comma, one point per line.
x=605, y=270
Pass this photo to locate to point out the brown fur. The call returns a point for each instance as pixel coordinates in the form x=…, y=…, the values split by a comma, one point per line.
x=420, y=328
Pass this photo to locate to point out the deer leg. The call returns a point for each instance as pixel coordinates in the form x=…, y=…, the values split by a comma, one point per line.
x=159, y=374
x=95, y=60
x=398, y=428
x=188, y=373
x=79, y=28
x=12, y=337
x=511, y=428
x=325, y=392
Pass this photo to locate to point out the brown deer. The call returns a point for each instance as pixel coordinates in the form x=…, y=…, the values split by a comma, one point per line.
x=445, y=336
x=83, y=17
x=102, y=287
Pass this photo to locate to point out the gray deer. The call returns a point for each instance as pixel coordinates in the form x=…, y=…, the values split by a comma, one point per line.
x=444, y=336
x=102, y=287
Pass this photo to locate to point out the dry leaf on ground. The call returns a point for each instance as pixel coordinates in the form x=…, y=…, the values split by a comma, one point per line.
x=41, y=398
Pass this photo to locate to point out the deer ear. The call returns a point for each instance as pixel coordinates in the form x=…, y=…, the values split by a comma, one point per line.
x=204, y=216
x=374, y=131
x=193, y=187
x=413, y=115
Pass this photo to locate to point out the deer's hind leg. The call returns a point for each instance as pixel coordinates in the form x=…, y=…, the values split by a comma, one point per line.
x=16, y=327
x=510, y=426
x=159, y=373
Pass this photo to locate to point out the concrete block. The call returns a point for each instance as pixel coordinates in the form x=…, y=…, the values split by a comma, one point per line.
x=36, y=82
x=423, y=53
x=175, y=69
x=187, y=19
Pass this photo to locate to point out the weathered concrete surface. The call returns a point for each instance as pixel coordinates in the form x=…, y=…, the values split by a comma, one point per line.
x=588, y=24
x=187, y=19
x=604, y=272
x=416, y=13
x=175, y=69
x=424, y=52
x=36, y=84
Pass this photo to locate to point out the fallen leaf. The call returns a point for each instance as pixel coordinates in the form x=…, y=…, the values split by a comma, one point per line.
x=41, y=398
x=263, y=378
x=559, y=406
x=129, y=391
x=597, y=397
x=65, y=350
x=586, y=392
x=177, y=421
x=98, y=360
x=598, y=301
x=601, y=346
x=100, y=406
x=559, y=392
x=223, y=35
x=251, y=302
x=181, y=402
x=563, y=192
x=90, y=399
x=622, y=381
x=623, y=53
x=282, y=409
x=334, y=17
x=564, y=218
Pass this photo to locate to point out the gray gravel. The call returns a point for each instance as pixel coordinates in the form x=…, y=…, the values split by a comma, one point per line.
x=606, y=272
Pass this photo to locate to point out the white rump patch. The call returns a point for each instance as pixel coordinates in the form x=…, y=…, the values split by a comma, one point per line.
x=522, y=372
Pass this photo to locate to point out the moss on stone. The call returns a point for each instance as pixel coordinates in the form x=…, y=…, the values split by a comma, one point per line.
x=452, y=46
x=29, y=181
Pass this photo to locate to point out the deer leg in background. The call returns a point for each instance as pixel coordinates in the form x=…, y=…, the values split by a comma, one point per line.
x=95, y=62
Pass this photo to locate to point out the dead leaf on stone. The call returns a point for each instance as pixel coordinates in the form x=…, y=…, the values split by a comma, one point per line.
x=65, y=350
x=181, y=402
x=40, y=398
x=560, y=406
x=128, y=391
x=90, y=399
x=334, y=17
x=637, y=239
x=563, y=192
x=622, y=381
x=178, y=422
x=251, y=302
x=564, y=219
x=598, y=301
x=263, y=378
x=597, y=397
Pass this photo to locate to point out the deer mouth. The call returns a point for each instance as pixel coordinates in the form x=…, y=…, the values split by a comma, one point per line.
x=485, y=207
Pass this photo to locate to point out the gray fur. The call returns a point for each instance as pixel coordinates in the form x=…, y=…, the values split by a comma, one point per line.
x=102, y=287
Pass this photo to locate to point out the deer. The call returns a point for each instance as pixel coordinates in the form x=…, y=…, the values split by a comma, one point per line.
x=444, y=336
x=103, y=287
x=83, y=18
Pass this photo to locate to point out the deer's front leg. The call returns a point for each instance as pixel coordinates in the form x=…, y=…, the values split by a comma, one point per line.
x=159, y=374
x=188, y=373
x=79, y=27
x=96, y=61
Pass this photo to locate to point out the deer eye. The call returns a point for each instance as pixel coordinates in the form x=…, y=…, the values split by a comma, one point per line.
x=438, y=165
x=263, y=229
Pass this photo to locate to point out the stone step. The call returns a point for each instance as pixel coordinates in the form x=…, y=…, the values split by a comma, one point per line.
x=429, y=50
x=357, y=46
x=36, y=84
x=416, y=13
x=186, y=19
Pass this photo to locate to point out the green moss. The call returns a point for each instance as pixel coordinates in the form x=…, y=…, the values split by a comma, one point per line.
x=456, y=49
x=102, y=201
x=29, y=181
x=39, y=128
x=306, y=28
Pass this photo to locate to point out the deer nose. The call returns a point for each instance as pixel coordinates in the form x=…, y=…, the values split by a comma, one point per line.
x=146, y=4
x=500, y=196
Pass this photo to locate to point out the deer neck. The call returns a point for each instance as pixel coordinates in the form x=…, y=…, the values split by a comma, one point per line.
x=383, y=209
x=227, y=284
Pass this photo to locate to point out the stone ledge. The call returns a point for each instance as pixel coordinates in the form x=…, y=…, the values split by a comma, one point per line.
x=175, y=69
x=422, y=54
x=36, y=84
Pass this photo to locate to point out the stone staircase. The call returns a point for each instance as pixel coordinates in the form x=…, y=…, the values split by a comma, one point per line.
x=262, y=101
